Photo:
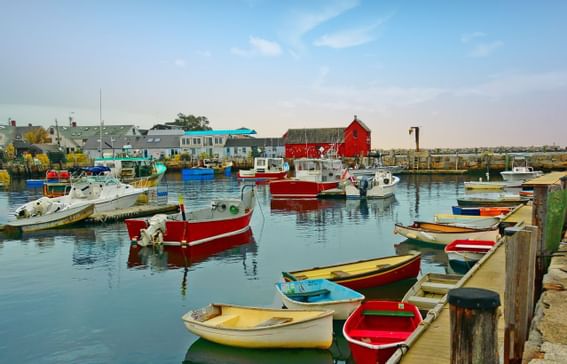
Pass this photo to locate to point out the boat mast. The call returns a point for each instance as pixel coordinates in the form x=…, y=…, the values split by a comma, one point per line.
x=100, y=120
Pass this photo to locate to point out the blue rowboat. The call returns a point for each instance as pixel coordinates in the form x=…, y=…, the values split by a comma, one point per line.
x=472, y=211
x=319, y=294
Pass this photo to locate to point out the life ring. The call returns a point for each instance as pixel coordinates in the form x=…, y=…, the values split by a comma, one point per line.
x=233, y=209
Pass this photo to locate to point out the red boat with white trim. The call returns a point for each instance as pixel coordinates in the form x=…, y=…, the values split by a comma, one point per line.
x=468, y=251
x=312, y=176
x=266, y=169
x=377, y=328
x=225, y=217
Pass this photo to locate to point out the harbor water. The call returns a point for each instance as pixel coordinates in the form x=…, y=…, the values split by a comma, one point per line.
x=84, y=295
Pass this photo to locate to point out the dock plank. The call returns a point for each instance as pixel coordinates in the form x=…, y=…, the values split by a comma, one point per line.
x=546, y=180
x=523, y=214
x=433, y=345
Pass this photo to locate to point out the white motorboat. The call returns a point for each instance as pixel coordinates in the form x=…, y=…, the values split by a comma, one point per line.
x=104, y=192
x=381, y=185
x=520, y=172
x=44, y=213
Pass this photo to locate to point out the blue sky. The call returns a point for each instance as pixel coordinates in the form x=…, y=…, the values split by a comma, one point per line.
x=470, y=73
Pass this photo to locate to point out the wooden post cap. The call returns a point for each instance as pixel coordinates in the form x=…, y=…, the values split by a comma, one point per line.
x=475, y=298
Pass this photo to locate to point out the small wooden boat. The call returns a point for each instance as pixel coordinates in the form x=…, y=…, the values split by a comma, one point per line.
x=364, y=273
x=435, y=233
x=480, y=185
x=225, y=217
x=218, y=167
x=319, y=294
x=266, y=169
x=468, y=251
x=481, y=211
x=61, y=215
x=480, y=222
x=529, y=194
x=430, y=290
x=376, y=329
x=503, y=201
x=258, y=327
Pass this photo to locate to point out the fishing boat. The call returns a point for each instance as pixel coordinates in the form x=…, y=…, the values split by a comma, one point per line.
x=468, y=251
x=266, y=169
x=435, y=233
x=137, y=171
x=225, y=217
x=377, y=328
x=481, y=211
x=258, y=327
x=521, y=172
x=431, y=290
x=45, y=214
x=468, y=220
x=363, y=273
x=319, y=294
x=501, y=201
x=312, y=176
x=381, y=185
x=57, y=183
x=104, y=192
x=218, y=167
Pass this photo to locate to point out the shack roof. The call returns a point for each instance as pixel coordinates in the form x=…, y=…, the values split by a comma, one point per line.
x=137, y=142
x=314, y=136
x=241, y=131
x=89, y=131
x=254, y=142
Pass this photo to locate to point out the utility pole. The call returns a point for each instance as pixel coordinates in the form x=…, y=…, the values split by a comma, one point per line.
x=58, y=138
x=416, y=129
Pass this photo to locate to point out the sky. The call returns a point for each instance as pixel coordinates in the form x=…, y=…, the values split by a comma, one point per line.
x=469, y=73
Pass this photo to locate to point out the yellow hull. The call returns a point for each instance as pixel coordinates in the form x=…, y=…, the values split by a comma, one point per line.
x=255, y=327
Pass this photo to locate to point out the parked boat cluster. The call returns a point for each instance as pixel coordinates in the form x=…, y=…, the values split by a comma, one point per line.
x=313, y=297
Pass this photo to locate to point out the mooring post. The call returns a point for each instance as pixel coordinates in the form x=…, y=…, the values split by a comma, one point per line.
x=539, y=214
x=474, y=325
x=518, y=292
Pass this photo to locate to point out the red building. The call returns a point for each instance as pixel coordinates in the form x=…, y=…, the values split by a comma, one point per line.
x=352, y=141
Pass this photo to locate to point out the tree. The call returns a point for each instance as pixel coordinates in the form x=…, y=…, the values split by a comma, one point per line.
x=191, y=122
x=10, y=151
x=36, y=136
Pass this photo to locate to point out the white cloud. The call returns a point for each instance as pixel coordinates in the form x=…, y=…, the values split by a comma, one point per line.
x=179, y=62
x=258, y=46
x=350, y=37
x=481, y=50
x=467, y=37
x=302, y=22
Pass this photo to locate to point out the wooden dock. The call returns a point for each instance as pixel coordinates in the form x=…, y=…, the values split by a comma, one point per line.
x=434, y=343
x=433, y=171
x=131, y=212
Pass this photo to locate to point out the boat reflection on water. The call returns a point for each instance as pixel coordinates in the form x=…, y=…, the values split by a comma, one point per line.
x=205, y=352
x=163, y=258
x=431, y=254
x=284, y=206
x=460, y=267
x=376, y=207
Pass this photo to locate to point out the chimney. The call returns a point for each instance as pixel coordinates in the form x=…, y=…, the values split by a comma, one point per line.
x=29, y=124
x=73, y=124
x=12, y=122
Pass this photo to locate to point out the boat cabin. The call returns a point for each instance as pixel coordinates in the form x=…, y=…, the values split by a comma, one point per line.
x=318, y=170
x=127, y=168
x=269, y=165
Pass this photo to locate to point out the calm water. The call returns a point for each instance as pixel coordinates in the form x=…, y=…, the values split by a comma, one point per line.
x=83, y=295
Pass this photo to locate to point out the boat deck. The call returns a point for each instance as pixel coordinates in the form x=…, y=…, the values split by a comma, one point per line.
x=132, y=212
x=433, y=346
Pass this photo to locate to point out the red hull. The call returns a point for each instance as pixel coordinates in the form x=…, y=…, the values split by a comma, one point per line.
x=473, y=246
x=376, y=328
x=405, y=271
x=293, y=188
x=194, y=232
x=265, y=175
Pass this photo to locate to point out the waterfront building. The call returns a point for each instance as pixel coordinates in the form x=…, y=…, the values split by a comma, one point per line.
x=240, y=148
x=73, y=138
x=211, y=142
x=352, y=141
x=155, y=146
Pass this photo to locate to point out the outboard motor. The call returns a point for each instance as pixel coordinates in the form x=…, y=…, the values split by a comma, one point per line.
x=363, y=187
x=153, y=234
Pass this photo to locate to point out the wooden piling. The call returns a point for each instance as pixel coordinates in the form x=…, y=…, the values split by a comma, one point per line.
x=539, y=214
x=474, y=324
x=519, y=292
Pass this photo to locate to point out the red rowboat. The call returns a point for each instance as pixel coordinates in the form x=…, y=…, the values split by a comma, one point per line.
x=312, y=176
x=364, y=273
x=468, y=250
x=225, y=217
x=376, y=328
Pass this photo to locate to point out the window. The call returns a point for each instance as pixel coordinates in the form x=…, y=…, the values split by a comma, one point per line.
x=235, y=150
x=208, y=141
x=243, y=149
x=355, y=133
x=196, y=141
x=228, y=151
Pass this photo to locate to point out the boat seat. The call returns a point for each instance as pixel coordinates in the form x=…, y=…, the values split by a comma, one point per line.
x=390, y=313
x=434, y=287
x=472, y=246
x=381, y=266
x=318, y=292
x=222, y=320
x=376, y=334
x=423, y=302
x=339, y=274
x=274, y=321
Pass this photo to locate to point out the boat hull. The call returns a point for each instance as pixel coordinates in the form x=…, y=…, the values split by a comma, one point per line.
x=519, y=176
x=261, y=175
x=314, y=330
x=52, y=220
x=430, y=290
x=121, y=202
x=485, y=185
x=293, y=188
x=444, y=238
x=406, y=267
x=468, y=251
x=491, y=202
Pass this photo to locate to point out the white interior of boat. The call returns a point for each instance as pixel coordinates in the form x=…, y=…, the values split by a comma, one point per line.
x=318, y=170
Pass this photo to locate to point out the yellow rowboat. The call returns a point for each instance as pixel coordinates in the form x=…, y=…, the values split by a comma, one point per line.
x=472, y=185
x=435, y=233
x=430, y=290
x=258, y=327
x=364, y=273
